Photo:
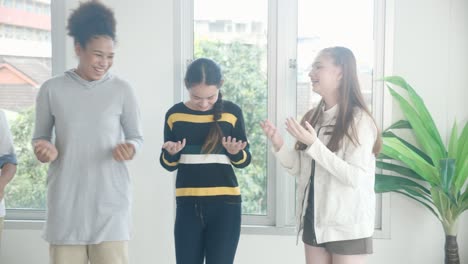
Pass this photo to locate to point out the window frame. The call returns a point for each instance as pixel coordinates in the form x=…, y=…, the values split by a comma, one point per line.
x=183, y=55
x=282, y=26
x=282, y=35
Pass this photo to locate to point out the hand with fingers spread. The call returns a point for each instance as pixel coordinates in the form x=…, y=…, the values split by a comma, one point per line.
x=174, y=147
x=272, y=133
x=306, y=136
x=124, y=151
x=45, y=151
x=232, y=145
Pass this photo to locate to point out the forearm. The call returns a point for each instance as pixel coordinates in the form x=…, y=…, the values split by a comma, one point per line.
x=169, y=162
x=44, y=120
x=131, y=119
x=7, y=174
x=289, y=159
x=351, y=170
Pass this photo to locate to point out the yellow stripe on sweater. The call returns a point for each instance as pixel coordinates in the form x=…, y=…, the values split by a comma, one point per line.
x=172, y=164
x=244, y=158
x=208, y=191
x=180, y=117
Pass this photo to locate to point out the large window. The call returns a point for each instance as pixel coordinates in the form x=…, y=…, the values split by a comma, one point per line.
x=265, y=48
x=25, y=63
x=236, y=38
x=321, y=25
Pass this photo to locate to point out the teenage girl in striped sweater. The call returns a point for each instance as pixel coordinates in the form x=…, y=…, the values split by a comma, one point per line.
x=204, y=137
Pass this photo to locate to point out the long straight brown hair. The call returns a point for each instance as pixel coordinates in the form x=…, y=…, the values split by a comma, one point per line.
x=208, y=72
x=349, y=99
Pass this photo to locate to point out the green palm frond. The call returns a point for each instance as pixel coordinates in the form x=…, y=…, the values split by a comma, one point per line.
x=426, y=171
x=409, y=145
x=421, y=108
x=401, y=170
x=461, y=167
x=453, y=144
x=434, y=212
x=395, y=149
x=399, y=125
x=423, y=134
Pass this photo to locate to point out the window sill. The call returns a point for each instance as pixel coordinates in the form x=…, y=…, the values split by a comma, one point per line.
x=245, y=229
x=291, y=231
x=24, y=224
x=268, y=230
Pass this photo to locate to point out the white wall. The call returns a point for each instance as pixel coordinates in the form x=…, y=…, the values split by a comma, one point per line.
x=430, y=40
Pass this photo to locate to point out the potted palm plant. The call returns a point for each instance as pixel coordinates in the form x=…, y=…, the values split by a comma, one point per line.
x=427, y=171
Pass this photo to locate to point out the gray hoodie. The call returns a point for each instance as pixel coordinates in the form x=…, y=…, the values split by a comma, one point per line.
x=88, y=199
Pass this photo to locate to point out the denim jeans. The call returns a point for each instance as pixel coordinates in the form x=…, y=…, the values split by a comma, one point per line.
x=207, y=230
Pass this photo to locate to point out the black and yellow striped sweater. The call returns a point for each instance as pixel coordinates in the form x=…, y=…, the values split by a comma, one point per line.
x=201, y=175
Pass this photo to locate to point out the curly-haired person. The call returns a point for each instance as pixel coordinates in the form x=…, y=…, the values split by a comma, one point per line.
x=96, y=123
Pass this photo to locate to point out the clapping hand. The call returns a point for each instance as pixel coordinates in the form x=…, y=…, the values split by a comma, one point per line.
x=273, y=135
x=306, y=135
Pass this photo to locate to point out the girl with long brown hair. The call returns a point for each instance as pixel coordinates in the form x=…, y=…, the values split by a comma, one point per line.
x=334, y=161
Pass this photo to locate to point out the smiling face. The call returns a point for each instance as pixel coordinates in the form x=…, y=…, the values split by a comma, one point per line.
x=202, y=97
x=96, y=58
x=325, y=76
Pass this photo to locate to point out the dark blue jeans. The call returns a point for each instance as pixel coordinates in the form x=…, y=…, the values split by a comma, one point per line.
x=207, y=230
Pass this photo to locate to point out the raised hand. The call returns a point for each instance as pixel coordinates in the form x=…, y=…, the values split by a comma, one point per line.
x=306, y=136
x=124, y=151
x=174, y=147
x=272, y=134
x=45, y=151
x=232, y=145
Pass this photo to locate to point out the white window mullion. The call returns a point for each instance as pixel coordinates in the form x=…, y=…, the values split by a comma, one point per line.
x=184, y=36
x=286, y=23
x=183, y=44
x=382, y=101
x=251, y=223
x=59, y=49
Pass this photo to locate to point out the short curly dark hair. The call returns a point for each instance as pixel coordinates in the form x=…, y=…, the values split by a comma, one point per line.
x=89, y=20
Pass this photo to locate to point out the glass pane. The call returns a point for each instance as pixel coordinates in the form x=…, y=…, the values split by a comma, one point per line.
x=236, y=38
x=25, y=63
x=321, y=24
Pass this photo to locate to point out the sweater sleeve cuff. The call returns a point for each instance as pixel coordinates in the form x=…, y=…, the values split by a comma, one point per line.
x=170, y=158
x=136, y=145
x=238, y=158
x=282, y=153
